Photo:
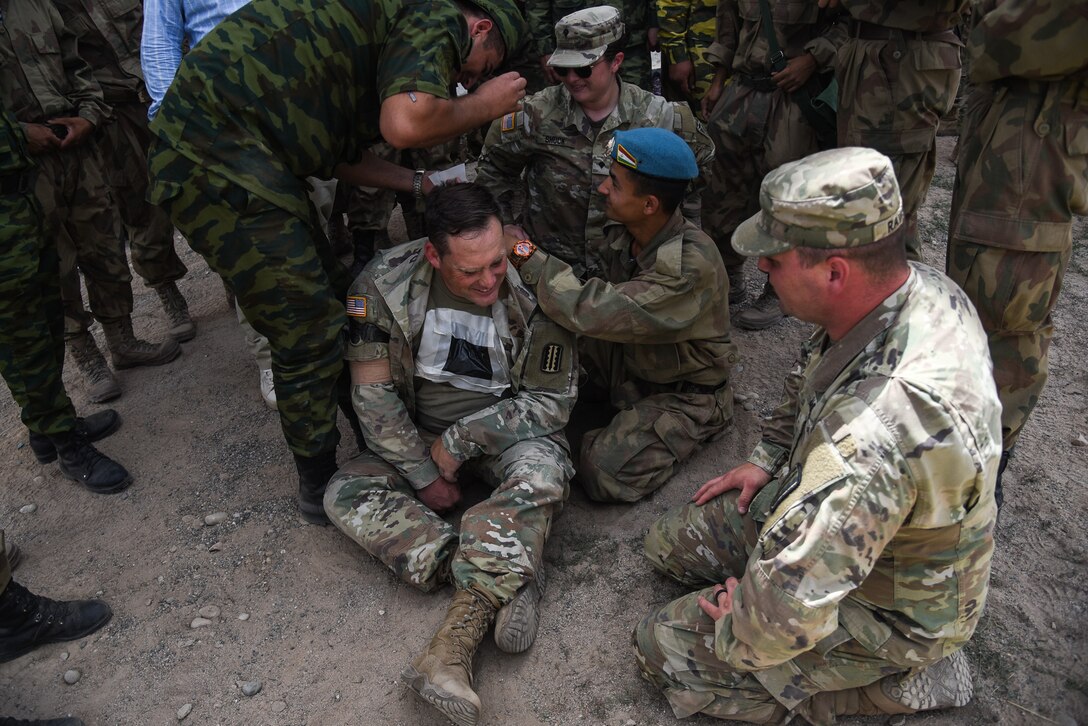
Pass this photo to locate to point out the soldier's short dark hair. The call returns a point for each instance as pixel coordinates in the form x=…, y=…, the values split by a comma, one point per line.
x=616, y=46
x=493, y=41
x=881, y=259
x=456, y=209
x=670, y=192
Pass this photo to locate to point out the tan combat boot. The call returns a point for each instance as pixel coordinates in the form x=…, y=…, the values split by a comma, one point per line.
x=128, y=351
x=442, y=674
x=764, y=312
x=182, y=327
x=518, y=620
x=101, y=385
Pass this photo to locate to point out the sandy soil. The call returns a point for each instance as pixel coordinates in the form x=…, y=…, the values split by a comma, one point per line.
x=329, y=630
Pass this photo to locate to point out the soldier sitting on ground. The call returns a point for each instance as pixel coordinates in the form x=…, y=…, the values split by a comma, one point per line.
x=455, y=369
x=656, y=321
x=560, y=140
x=856, y=557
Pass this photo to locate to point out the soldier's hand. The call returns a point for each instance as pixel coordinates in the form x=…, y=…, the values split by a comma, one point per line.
x=447, y=465
x=549, y=72
x=40, y=139
x=723, y=600
x=502, y=94
x=796, y=73
x=747, y=477
x=713, y=94
x=682, y=74
x=78, y=127
x=441, y=495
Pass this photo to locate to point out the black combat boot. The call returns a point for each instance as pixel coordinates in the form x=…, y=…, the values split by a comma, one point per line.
x=28, y=620
x=94, y=427
x=999, y=495
x=313, y=476
x=81, y=462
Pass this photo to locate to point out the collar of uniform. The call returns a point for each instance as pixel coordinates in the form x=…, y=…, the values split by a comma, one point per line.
x=621, y=242
x=839, y=354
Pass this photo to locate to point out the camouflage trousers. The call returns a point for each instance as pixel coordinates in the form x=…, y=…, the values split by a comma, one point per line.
x=674, y=645
x=892, y=95
x=287, y=282
x=655, y=430
x=753, y=133
x=501, y=540
x=78, y=212
x=1022, y=175
x=124, y=143
x=31, y=319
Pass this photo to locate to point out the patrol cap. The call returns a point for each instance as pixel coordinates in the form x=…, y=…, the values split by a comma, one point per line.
x=509, y=22
x=654, y=152
x=846, y=197
x=582, y=37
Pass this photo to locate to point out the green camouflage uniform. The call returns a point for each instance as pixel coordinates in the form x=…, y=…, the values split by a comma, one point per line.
x=515, y=445
x=672, y=393
x=870, y=553
x=686, y=30
x=1023, y=173
x=898, y=74
x=109, y=40
x=273, y=95
x=31, y=320
x=755, y=129
x=638, y=17
x=43, y=77
x=565, y=159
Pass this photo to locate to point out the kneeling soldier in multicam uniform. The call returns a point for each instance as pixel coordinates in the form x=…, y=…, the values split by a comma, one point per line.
x=864, y=564
x=455, y=369
x=656, y=322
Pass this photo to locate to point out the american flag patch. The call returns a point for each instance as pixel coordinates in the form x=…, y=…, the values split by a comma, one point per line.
x=356, y=306
x=508, y=122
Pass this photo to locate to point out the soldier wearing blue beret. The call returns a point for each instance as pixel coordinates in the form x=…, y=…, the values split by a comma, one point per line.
x=655, y=325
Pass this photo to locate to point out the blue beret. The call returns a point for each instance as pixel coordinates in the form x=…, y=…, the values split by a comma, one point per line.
x=654, y=152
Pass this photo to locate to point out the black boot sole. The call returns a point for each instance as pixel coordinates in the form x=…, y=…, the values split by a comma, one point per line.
x=116, y=488
x=48, y=456
x=5, y=656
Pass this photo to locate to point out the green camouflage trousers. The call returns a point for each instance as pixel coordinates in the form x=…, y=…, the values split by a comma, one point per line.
x=124, y=144
x=501, y=539
x=78, y=213
x=892, y=95
x=1022, y=174
x=654, y=431
x=31, y=320
x=288, y=283
x=753, y=133
x=674, y=645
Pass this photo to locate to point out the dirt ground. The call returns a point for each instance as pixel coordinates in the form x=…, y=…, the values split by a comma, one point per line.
x=328, y=630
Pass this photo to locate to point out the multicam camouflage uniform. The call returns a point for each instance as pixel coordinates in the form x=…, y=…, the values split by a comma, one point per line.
x=686, y=30
x=31, y=327
x=1023, y=173
x=672, y=393
x=565, y=159
x=43, y=77
x=245, y=123
x=869, y=552
x=515, y=445
x=638, y=16
x=755, y=126
x=898, y=74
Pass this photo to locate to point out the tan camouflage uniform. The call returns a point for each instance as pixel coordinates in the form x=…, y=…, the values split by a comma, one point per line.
x=898, y=74
x=672, y=393
x=868, y=554
x=686, y=30
x=565, y=159
x=1023, y=173
x=515, y=446
x=756, y=129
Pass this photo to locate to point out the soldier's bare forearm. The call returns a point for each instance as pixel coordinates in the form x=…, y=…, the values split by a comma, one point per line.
x=419, y=120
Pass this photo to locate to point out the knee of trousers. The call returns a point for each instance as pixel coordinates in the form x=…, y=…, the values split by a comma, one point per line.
x=606, y=476
x=343, y=490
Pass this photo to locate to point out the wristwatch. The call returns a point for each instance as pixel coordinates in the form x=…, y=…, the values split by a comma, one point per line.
x=520, y=253
x=417, y=183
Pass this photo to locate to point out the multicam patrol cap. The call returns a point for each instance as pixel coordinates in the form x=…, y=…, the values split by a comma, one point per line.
x=582, y=37
x=846, y=197
x=509, y=22
x=654, y=152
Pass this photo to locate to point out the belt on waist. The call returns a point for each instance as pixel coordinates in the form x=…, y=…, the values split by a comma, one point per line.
x=16, y=183
x=870, y=31
x=765, y=84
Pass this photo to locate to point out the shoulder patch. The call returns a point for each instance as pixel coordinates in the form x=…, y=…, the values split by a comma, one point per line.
x=551, y=358
x=357, y=306
x=509, y=122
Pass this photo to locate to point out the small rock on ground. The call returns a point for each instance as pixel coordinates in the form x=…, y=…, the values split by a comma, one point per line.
x=199, y=623
x=251, y=688
x=184, y=711
x=278, y=706
x=215, y=518
x=71, y=677
x=28, y=509
x=209, y=611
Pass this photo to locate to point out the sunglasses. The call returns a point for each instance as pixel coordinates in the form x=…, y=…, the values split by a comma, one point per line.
x=583, y=72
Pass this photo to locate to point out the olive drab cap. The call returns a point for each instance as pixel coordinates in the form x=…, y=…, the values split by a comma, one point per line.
x=509, y=21
x=846, y=197
x=582, y=37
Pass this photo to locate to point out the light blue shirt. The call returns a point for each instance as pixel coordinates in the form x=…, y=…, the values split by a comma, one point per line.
x=167, y=23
